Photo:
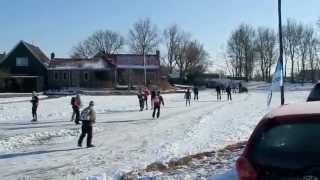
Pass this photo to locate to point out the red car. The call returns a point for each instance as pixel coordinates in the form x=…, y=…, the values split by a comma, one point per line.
x=284, y=145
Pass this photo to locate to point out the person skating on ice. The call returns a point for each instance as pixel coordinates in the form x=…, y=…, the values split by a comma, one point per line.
x=228, y=90
x=76, y=108
x=35, y=103
x=196, y=93
x=141, y=100
x=187, y=96
x=88, y=118
x=218, y=90
x=145, y=97
x=158, y=100
x=153, y=95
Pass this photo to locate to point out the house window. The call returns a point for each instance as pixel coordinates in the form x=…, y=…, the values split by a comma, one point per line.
x=56, y=76
x=65, y=76
x=86, y=76
x=22, y=61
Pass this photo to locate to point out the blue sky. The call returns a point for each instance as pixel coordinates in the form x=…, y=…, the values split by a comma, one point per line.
x=57, y=25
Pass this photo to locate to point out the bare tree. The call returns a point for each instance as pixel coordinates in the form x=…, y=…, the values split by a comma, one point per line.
x=292, y=36
x=265, y=46
x=81, y=50
x=307, y=36
x=180, y=57
x=143, y=37
x=173, y=36
x=106, y=42
x=241, y=52
x=235, y=53
x=190, y=57
x=196, y=59
x=312, y=53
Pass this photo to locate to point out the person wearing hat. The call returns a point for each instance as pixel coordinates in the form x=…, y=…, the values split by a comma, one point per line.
x=35, y=103
x=88, y=118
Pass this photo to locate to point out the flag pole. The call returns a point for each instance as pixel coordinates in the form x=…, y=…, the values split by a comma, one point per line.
x=281, y=50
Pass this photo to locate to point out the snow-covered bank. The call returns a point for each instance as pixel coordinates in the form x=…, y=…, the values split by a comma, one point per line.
x=196, y=166
x=126, y=139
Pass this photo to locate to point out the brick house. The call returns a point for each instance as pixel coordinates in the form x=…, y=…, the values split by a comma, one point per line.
x=26, y=63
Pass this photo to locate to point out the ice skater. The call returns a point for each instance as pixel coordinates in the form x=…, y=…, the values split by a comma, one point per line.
x=228, y=90
x=76, y=108
x=187, y=96
x=88, y=118
x=73, y=98
x=141, y=100
x=153, y=95
x=145, y=97
x=218, y=90
x=196, y=93
x=35, y=103
x=158, y=100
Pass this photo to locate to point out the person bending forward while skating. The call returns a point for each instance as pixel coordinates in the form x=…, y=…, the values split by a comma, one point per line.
x=157, y=101
x=88, y=118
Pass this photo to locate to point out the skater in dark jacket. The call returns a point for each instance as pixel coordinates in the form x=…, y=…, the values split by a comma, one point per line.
x=158, y=100
x=228, y=90
x=196, y=93
x=218, y=89
x=141, y=100
x=88, y=118
x=35, y=103
x=153, y=95
x=187, y=96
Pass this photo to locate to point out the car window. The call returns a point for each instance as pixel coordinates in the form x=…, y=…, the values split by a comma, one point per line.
x=314, y=94
x=287, y=142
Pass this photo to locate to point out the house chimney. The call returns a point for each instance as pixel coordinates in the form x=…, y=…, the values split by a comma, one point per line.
x=52, y=55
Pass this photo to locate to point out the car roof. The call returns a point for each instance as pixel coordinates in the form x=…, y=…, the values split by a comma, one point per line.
x=298, y=109
x=284, y=114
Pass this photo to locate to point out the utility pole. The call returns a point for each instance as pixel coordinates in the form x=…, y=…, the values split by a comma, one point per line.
x=281, y=51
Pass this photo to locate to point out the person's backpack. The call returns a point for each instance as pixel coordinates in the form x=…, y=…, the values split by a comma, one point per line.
x=73, y=99
x=85, y=114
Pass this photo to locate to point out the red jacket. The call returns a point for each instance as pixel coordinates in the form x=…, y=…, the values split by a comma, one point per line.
x=145, y=94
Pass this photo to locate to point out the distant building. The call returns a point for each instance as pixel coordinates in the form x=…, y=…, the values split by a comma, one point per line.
x=30, y=69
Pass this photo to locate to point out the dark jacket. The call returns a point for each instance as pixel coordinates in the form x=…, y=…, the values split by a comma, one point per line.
x=187, y=95
x=35, y=101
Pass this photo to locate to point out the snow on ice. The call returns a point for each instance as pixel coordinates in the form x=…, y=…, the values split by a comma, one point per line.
x=125, y=138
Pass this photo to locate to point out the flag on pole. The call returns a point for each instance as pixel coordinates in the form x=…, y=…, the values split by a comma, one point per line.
x=277, y=79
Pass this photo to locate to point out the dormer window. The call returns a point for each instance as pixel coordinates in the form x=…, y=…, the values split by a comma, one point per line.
x=22, y=61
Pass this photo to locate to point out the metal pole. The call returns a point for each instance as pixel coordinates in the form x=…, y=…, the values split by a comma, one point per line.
x=145, y=70
x=281, y=50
